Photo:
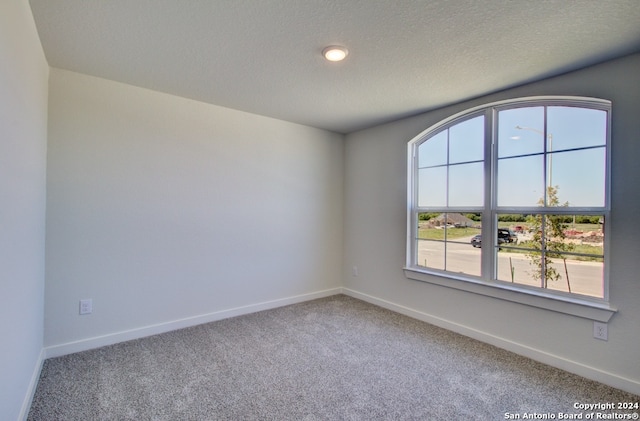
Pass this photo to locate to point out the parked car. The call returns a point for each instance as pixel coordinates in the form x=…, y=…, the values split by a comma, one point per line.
x=504, y=236
x=507, y=235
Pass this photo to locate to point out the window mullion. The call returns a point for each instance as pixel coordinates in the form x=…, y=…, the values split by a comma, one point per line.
x=488, y=215
x=546, y=162
x=446, y=197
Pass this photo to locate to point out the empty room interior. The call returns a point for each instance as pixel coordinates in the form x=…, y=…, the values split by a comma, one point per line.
x=165, y=165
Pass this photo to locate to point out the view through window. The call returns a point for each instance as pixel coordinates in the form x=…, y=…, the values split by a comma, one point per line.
x=516, y=193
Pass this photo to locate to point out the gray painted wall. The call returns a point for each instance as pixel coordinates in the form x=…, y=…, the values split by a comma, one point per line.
x=163, y=209
x=375, y=238
x=23, y=148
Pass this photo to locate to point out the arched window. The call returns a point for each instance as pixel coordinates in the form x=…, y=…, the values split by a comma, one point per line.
x=514, y=195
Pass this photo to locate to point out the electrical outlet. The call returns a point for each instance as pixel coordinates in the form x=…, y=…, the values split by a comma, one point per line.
x=600, y=331
x=354, y=271
x=86, y=306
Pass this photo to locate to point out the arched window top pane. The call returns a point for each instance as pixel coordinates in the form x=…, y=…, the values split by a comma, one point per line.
x=433, y=151
x=520, y=131
x=579, y=176
x=466, y=141
x=575, y=127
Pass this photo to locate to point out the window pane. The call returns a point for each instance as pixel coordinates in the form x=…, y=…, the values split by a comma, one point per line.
x=466, y=141
x=464, y=258
x=573, y=253
x=433, y=151
x=572, y=127
x=445, y=242
x=579, y=176
x=432, y=186
x=466, y=184
x=520, y=181
x=520, y=131
x=431, y=254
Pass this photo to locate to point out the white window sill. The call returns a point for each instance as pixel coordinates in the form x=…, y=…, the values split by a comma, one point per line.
x=593, y=310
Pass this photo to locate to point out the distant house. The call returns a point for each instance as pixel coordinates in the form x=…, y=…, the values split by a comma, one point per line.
x=455, y=219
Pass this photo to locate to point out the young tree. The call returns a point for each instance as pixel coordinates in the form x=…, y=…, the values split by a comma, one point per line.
x=548, y=239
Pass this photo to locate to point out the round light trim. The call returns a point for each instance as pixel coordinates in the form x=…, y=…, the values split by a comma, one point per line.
x=335, y=53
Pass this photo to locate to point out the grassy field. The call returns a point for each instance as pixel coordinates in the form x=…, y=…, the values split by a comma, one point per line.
x=452, y=233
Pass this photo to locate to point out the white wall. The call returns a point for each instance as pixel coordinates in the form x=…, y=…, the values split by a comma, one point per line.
x=23, y=130
x=375, y=228
x=162, y=209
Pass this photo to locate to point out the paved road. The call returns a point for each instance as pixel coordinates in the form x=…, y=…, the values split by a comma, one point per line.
x=585, y=277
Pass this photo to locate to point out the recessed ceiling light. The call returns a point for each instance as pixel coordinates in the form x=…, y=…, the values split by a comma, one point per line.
x=335, y=53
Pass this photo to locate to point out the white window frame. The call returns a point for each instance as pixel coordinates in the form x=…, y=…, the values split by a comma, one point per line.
x=592, y=308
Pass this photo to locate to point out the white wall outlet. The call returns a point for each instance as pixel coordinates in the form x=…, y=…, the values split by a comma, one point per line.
x=354, y=271
x=600, y=330
x=86, y=306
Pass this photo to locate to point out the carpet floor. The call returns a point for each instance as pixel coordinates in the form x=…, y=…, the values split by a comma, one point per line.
x=336, y=358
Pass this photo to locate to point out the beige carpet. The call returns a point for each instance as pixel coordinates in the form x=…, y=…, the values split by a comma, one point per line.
x=336, y=358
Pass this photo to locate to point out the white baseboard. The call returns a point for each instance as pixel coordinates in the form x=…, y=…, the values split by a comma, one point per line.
x=588, y=372
x=33, y=384
x=113, y=338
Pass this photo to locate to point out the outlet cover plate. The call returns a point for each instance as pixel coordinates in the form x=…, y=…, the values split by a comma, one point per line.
x=86, y=306
x=600, y=331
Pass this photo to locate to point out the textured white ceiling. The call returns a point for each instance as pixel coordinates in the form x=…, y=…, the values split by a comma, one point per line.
x=263, y=56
